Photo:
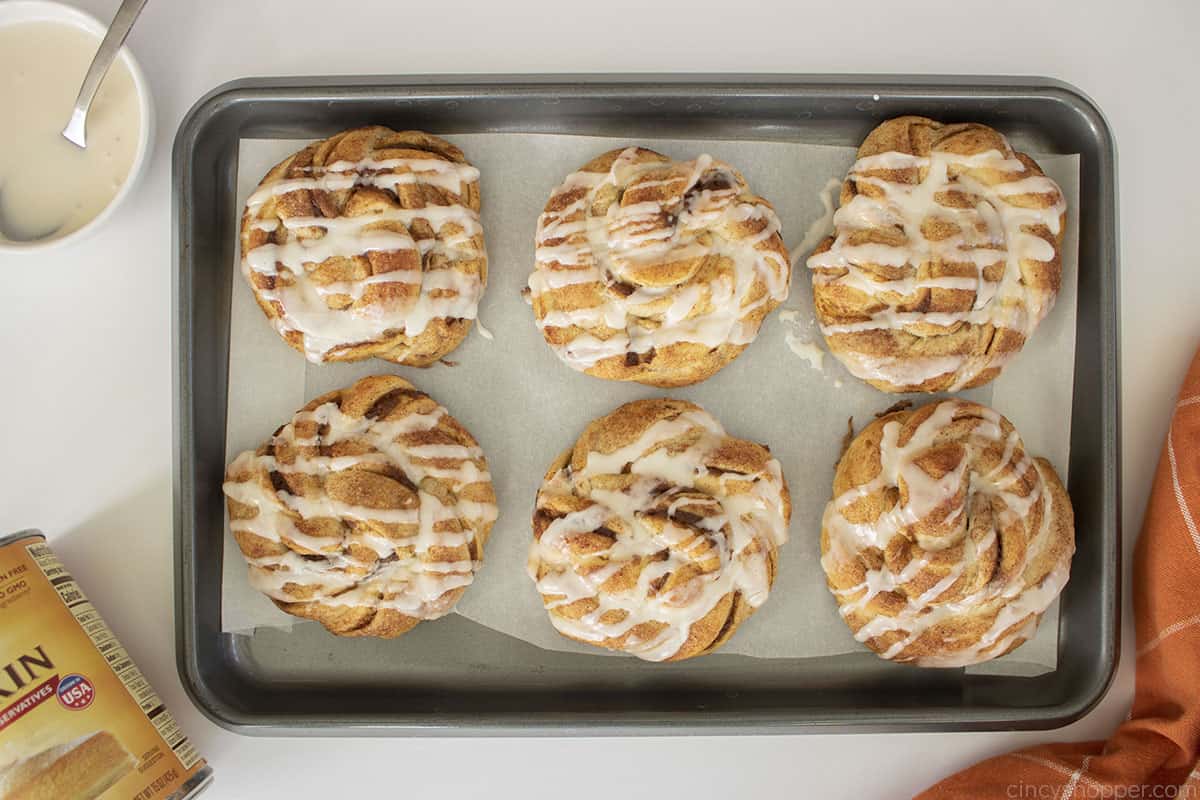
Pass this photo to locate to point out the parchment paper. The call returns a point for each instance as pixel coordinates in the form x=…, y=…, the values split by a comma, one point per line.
x=525, y=406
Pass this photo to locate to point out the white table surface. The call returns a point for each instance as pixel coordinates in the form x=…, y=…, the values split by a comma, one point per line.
x=85, y=402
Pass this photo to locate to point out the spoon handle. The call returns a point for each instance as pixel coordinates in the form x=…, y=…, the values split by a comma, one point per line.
x=76, y=129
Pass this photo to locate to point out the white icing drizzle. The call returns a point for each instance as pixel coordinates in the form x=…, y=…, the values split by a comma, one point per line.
x=303, y=303
x=820, y=226
x=806, y=350
x=408, y=572
x=575, y=248
x=1012, y=599
x=994, y=230
x=663, y=520
x=797, y=338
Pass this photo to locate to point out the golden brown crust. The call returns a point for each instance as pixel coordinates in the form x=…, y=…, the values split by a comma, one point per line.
x=945, y=541
x=656, y=533
x=397, y=174
x=946, y=255
x=654, y=270
x=368, y=512
x=82, y=769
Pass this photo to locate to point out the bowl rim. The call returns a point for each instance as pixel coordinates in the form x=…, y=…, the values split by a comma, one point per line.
x=16, y=12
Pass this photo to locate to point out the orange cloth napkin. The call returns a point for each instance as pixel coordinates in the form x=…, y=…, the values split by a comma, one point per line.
x=1154, y=753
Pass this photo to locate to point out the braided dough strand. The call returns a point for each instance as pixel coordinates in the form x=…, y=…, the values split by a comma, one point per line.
x=945, y=542
x=944, y=259
x=657, y=533
x=367, y=512
x=368, y=244
x=654, y=270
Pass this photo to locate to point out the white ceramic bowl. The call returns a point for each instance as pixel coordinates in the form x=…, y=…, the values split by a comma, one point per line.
x=14, y=12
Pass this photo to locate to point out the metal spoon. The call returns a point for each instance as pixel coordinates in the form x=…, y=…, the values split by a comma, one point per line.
x=76, y=130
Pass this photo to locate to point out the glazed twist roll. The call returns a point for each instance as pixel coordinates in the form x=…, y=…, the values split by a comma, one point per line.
x=368, y=243
x=945, y=541
x=654, y=270
x=944, y=259
x=657, y=533
x=367, y=512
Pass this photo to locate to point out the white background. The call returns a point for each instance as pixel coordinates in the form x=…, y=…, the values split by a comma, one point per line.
x=85, y=392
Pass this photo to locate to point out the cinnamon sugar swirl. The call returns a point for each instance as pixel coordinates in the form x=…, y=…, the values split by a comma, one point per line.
x=654, y=270
x=944, y=259
x=368, y=243
x=367, y=512
x=945, y=541
x=657, y=533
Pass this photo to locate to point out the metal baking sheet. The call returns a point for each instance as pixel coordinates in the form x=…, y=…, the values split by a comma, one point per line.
x=461, y=678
